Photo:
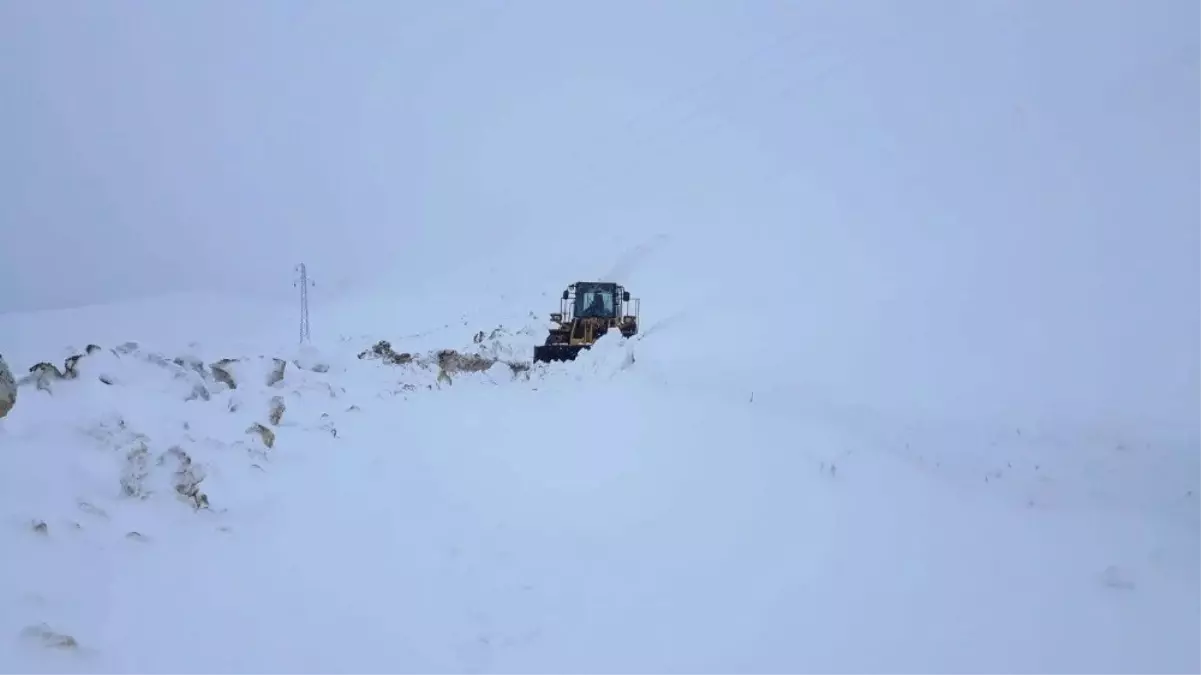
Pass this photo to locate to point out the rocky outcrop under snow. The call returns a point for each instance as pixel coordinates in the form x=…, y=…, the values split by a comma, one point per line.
x=447, y=361
x=248, y=403
x=8, y=389
x=136, y=444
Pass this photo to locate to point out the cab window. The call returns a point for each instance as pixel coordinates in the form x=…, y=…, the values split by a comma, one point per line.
x=594, y=304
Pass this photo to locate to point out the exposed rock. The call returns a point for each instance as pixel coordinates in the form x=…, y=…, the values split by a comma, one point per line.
x=8, y=389
x=383, y=350
x=277, y=373
x=277, y=410
x=229, y=371
x=40, y=527
x=71, y=367
x=451, y=361
x=42, y=374
x=222, y=374
x=187, y=478
x=264, y=433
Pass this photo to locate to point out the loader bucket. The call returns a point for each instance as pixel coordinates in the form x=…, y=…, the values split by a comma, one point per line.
x=548, y=353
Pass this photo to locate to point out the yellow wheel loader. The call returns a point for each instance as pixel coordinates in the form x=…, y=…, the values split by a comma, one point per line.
x=587, y=310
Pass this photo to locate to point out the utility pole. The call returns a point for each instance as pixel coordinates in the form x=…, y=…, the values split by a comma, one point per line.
x=304, y=282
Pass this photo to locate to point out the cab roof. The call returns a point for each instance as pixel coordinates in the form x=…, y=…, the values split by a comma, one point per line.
x=596, y=285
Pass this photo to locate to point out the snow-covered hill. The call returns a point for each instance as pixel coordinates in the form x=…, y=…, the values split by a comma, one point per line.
x=618, y=513
x=917, y=386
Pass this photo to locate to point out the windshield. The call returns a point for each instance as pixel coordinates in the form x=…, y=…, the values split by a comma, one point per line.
x=594, y=303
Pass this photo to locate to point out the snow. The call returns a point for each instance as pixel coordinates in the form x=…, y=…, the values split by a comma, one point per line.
x=610, y=515
x=916, y=386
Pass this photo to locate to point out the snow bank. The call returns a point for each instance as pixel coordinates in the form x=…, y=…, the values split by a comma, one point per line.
x=608, y=357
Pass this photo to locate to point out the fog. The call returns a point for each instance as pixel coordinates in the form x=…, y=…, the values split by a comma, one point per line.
x=983, y=202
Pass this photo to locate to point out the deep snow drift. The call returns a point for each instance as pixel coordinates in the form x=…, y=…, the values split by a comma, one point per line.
x=625, y=512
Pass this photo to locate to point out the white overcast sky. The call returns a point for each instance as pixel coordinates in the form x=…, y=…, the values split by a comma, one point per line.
x=1026, y=164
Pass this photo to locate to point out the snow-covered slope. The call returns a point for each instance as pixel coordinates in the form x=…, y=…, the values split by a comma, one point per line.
x=917, y=386
x=630, y=511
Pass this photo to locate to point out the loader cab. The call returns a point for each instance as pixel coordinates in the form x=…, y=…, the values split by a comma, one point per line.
x=599, y=302
x=596, y=301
